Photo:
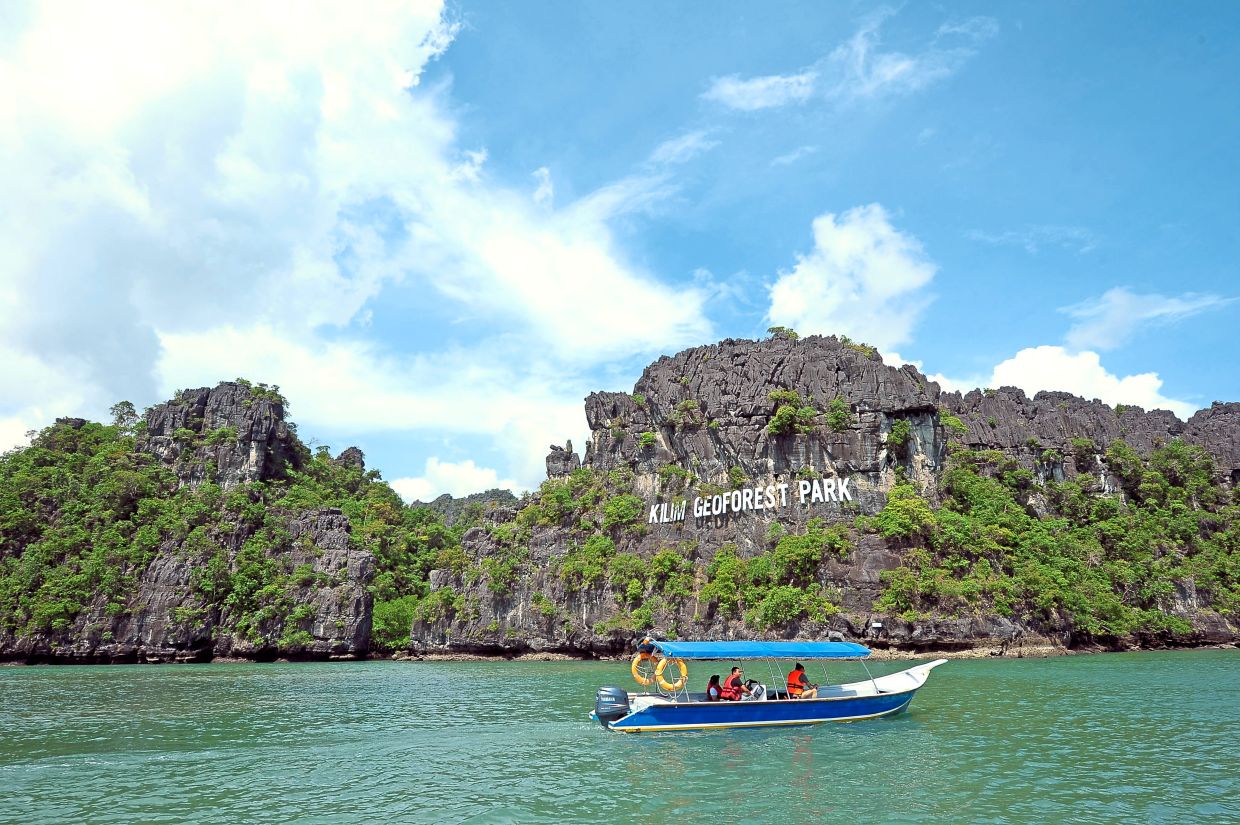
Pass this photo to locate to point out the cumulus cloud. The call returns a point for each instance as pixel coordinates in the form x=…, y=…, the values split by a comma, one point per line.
x=353, y=384
x=1112, y=319
x=197, y=192
x=863, y=278
x=1055, y=368
x=1049, y=367
x=770, y=91
x=454, y=478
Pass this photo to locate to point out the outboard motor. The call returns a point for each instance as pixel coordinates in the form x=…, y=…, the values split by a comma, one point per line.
x=611, y=703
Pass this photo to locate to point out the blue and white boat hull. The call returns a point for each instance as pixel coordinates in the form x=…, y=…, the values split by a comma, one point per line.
x=870, y=699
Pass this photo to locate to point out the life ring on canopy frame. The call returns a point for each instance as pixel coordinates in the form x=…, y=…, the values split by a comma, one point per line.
x=679, y=683
x=643, y=668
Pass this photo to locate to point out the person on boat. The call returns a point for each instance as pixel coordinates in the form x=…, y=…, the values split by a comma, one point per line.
x=799, y=686
x=733, y=687
x=713, y=691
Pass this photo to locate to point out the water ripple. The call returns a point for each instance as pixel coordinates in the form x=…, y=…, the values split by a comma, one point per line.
x=1145, y=737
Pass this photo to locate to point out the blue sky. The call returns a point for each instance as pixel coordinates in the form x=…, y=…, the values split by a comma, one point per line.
x=438, y=229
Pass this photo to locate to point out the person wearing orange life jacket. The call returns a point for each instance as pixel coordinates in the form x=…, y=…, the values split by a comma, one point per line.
x=732, y=686
x=799, y=686
x=713, y=691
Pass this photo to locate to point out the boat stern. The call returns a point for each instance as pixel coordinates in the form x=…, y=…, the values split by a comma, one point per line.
x=610, y=703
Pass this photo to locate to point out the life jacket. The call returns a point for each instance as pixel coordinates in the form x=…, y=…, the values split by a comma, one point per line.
x=713, y=693
x=796, y=683
x=731, y=688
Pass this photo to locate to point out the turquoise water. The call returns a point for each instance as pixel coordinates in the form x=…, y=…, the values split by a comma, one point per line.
x=1151, y=737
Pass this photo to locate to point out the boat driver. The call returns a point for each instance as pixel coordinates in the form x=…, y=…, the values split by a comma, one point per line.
x=733, y=687
x=799, y=686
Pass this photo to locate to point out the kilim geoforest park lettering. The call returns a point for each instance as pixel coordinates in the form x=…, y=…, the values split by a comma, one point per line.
x=770, y=497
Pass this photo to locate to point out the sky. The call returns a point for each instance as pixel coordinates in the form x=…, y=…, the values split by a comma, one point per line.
x=439, y=227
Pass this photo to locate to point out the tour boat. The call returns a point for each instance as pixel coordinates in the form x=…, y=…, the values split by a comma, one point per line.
x=674, y=707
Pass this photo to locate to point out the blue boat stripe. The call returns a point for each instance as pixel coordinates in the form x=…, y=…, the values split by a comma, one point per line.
x=723, y=725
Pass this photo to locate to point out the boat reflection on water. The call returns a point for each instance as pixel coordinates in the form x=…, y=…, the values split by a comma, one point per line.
x=673, y=707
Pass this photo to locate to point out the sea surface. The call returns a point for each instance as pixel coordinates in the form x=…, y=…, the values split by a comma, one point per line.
x=1132, y=738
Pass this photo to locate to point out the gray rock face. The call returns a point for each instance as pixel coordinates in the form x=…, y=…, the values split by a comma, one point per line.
x=167, y=622
x=561, y=461
x=452, y=510
x=231, y=434
x=352, y=457
x=697, y=422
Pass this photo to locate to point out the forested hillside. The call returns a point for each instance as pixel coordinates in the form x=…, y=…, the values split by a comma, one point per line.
x=782, y=488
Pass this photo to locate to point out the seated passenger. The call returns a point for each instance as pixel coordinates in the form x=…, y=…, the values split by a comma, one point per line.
x=799, y=686
x=713, y=692
x=732, y=686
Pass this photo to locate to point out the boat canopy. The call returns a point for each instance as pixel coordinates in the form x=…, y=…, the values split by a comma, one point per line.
x=761, y=650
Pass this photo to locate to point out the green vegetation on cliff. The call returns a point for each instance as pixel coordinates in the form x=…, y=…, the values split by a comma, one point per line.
x=1108, y=568
x=84, y=512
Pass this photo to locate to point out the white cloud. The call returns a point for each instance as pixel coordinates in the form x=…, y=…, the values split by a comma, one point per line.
x=354, y=385
x=752, y=94
x=975, y=28
x=240, y=210
x=1054, y=368
x=1113, y=318
x=1033, y=238
x=858, y=69
x=456, y=479
x=792, y=157
x=544, y=195
x=1035, y=369
x=863, y=278
x=681, y=149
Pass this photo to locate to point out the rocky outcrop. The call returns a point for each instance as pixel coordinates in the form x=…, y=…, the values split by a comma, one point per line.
x=352, y=458
x=451, y=510
x=561, y=461
x=700, y=424
x=230, y=434
x=167, y=621
x=707, y=410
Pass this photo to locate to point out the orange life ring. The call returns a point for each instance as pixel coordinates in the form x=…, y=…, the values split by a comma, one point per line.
x=679, y=683
x=640, y=673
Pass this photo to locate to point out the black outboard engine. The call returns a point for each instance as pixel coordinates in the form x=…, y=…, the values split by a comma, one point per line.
x=610, y=704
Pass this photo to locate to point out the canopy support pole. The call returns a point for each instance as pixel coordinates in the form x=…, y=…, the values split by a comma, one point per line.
x=871, y=675
x=770, y=665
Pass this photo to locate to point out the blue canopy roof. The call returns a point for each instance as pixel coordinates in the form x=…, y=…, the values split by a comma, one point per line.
x=761, y=650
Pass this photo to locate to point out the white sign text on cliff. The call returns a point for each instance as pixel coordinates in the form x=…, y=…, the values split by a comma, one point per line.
x=770, y=497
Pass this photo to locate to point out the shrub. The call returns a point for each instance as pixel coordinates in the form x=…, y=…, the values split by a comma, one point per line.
x=391, y=620
x=783, y=332
x=622, y=510
x=791, y=414
x=671, y=574
x=543, y=605
x=865, y=349
x=900, y=436
x=839, y=416
x=905, y=516
x=646, y=440
x=952, y=422
x=687, y=414
x=586, y=565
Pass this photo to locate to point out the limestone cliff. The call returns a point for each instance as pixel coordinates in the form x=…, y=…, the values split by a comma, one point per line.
x=708, y=423
x=189, y=572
